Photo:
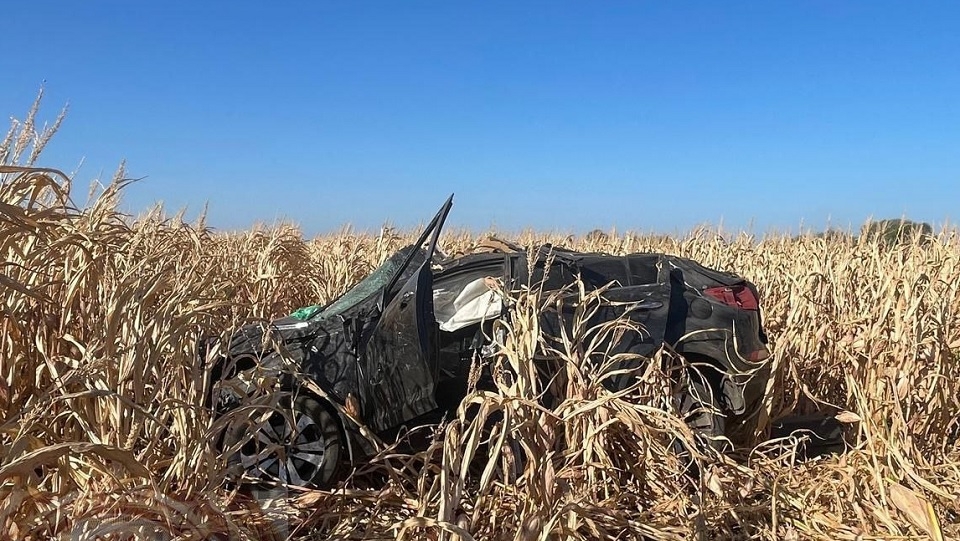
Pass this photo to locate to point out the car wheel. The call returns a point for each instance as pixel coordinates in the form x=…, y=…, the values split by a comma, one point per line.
x=700, y=408
x=300, y=445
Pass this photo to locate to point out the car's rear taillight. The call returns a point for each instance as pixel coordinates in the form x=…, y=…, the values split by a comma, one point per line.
x=739, y=296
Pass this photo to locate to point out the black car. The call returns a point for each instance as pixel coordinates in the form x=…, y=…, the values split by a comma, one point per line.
x=397, y=348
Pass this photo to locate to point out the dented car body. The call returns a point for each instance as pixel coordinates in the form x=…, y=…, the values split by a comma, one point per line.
x=398, y=347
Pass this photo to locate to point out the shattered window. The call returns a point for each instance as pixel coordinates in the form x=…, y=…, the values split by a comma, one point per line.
x=376, y=281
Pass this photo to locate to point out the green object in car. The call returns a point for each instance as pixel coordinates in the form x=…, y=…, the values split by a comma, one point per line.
x=306, y=312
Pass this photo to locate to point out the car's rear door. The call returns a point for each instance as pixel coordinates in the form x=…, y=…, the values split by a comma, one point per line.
x=398, y=363
x=636, y=292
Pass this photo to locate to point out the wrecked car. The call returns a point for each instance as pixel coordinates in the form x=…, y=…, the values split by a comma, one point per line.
x=397, y=349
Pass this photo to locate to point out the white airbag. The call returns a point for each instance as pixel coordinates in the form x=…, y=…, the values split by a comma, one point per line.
x=475, y=303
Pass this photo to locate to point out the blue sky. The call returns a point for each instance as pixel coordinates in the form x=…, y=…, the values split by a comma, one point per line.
x=553, y=115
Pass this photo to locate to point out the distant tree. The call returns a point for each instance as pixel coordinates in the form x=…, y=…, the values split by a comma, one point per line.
x=596, y=236
x=832, y=235
x=892, y=232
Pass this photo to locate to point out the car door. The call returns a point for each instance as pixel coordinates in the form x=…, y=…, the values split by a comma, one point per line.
x=637, y=290
x=398, y=362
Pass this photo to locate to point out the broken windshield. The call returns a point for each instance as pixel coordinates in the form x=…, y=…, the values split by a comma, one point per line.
x=369, y=286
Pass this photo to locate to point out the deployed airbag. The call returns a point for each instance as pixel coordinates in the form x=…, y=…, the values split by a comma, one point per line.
x=476, y=302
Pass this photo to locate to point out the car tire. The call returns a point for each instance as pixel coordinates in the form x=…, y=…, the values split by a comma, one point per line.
x=699, y=407
x=299, y=445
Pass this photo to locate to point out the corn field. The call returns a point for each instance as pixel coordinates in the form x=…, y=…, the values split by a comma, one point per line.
x=104, y=433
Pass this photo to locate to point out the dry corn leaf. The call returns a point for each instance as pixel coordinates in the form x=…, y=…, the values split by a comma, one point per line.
x=917, y=510
x=29, y=461
x=848, y=417
x=713, y=482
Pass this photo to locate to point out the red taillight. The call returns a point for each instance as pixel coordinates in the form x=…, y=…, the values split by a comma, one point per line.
x=739, y=296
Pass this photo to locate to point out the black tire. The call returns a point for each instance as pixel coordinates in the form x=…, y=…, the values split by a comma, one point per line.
x=700, y=408
x=300, y=446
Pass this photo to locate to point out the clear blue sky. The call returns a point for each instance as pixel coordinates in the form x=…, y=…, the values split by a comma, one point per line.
x=554, y=115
